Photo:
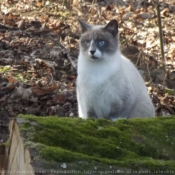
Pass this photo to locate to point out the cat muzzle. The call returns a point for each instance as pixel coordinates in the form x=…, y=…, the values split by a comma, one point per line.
x=92, y=55
x=92, y=52
x=94, y=58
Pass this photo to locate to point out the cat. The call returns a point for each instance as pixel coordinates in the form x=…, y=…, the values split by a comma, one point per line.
x=108, y=84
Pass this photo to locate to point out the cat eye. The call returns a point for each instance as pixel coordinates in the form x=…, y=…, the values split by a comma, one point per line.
x=86, y=42
x=101, y=43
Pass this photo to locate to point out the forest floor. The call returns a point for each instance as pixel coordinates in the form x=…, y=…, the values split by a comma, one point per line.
x=39, y=49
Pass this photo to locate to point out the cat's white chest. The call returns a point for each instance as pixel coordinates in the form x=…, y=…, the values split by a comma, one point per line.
x=92, y=96
x=94, y=86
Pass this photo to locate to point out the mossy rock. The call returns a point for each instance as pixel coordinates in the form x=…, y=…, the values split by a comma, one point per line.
x=100, y=146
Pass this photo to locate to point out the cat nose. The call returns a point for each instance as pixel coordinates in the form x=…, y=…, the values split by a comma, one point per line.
x=92, y=52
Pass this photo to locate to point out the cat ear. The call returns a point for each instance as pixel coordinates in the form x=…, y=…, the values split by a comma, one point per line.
x=84, y=26
x=112, y=27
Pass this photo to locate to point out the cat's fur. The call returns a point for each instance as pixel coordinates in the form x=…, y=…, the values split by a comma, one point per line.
x=108, y=84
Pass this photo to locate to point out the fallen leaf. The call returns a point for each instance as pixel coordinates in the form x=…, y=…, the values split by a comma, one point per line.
x=59, y=99
x=39, y=91
x=165, y=12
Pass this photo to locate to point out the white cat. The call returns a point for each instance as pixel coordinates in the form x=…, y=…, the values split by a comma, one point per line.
x=108, y=84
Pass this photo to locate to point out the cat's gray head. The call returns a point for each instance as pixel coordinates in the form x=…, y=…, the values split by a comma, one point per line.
x=98, y=42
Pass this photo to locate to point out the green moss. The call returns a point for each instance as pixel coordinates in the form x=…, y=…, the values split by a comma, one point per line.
x=146, y=143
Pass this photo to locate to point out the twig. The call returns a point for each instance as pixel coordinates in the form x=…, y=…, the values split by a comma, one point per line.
x=94, y=2
x=147, y=67
x=70, y=59
x=161, y=35
x=67, y=52
x=7, y=27
x=165, y=89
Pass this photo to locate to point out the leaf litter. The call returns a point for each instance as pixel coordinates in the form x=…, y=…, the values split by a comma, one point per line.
x=39, y=49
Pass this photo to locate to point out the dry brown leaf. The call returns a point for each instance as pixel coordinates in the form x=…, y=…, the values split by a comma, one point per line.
x=75, y=2
x=11, y=80
x=165, y=12
x=69, y=86
x=138, y=11
x=39, y=3
x=26, y=63
x=21, y=25
x=129, y=8
x=10, y=16
x=110, y=6
x=49, y=64
x=71, y=77
x=39, y=91
x=59, y=99
x=93, y=11
x=166, y=102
